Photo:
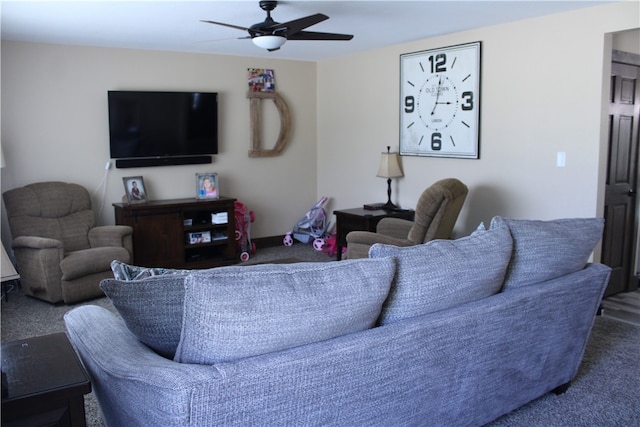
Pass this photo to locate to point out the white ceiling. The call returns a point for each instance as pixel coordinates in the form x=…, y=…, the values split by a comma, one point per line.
x=176, y=26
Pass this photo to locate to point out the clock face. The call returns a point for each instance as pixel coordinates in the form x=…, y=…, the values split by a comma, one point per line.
x=440, y=102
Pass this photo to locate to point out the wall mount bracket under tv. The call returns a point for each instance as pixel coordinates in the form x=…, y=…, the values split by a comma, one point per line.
x=162, y=128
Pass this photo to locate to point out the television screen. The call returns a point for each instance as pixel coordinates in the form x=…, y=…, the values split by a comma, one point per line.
x=162, y=124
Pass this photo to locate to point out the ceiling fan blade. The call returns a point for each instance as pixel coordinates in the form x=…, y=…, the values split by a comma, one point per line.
x=311, y=35
x=226, y=25
x=298, y=25
x=219, y=40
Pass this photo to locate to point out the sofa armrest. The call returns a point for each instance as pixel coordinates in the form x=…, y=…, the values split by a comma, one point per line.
x=133, y=384
x=38, y=262
x=34, y=242
x=111, y=235
x=369, y=238
x=394, y=227
x=359, y=243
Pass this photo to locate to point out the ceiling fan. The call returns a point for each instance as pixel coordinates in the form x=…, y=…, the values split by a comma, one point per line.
x=271, y=35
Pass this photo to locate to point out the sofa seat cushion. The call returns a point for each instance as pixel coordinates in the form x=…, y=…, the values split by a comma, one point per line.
x=89, y=261
x=151, y=308
x=444, y=273
x=544, y=250
x=242, y=311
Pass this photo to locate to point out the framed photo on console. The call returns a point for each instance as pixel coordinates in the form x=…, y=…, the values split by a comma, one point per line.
x=207, y=185
x=134, y=189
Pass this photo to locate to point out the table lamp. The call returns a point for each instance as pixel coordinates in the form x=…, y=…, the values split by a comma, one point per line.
x=389, y=168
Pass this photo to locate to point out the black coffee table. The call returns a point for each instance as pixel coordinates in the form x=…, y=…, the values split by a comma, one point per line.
x=45, y=382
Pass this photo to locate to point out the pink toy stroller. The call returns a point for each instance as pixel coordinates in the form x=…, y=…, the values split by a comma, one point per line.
x=244, y=217
x=312, y=226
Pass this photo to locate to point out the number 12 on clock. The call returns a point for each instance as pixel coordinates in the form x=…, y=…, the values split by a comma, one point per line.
x=440, y=102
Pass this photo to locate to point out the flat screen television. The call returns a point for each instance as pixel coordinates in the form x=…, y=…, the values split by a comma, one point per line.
x=160, y=128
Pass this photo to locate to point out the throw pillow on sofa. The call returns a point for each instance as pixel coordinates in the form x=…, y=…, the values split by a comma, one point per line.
x=444, y=273
x=151, y=308
x=238, y=312
x=123, y=271
x=544, y=250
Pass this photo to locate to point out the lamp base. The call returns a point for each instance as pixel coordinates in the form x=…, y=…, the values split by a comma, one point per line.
x=382, y=207
x=389, y=206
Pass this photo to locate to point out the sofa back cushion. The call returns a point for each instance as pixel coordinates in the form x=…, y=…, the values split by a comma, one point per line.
x=237, y=312
x=150, y=301
x=544, y=250
x=444, y=273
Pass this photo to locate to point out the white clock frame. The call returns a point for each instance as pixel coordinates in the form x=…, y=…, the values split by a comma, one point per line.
x=440, y=102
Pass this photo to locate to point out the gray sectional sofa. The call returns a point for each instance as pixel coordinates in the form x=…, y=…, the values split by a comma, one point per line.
x=452, y=332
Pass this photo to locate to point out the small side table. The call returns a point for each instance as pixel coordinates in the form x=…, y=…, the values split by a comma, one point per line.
x=8, y=273
x=45, y=382
x=360, y=219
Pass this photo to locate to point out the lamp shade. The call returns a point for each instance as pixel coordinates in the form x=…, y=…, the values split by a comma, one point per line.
x=389, y=166
x=269, y=42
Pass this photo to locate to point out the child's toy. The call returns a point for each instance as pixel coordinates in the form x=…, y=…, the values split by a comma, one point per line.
x=244, y=217
x=311, y=227
x=331, y=245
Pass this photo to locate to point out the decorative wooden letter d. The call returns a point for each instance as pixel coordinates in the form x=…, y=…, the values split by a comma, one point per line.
x=255, y=109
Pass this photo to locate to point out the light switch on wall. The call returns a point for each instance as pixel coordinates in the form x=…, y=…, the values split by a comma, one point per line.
x=561, y=159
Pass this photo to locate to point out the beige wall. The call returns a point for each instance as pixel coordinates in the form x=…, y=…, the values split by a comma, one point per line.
x=542, y=92
x=54, y=125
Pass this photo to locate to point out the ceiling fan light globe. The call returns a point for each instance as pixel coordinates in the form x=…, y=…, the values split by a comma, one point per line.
x=269, y=41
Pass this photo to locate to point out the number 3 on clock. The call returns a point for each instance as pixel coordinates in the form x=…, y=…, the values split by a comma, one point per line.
x=440, y=102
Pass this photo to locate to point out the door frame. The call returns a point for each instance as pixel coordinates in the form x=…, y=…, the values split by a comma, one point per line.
x=634, y=274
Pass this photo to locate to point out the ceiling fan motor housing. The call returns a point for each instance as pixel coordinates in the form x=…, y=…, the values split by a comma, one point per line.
x=268, y=6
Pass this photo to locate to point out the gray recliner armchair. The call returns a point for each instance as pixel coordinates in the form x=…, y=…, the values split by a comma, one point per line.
x=60, y=253
x=436, y=213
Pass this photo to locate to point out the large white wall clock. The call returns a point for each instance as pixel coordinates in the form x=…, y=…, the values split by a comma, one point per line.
x=440, y=102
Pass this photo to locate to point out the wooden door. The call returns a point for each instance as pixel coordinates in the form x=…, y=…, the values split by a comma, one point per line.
x=620, y=193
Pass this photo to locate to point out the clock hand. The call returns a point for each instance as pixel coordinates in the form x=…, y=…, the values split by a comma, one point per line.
x=437, y=96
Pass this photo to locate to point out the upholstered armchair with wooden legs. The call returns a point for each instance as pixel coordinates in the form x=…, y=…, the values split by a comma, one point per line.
x=60, y=253
x=436, y=213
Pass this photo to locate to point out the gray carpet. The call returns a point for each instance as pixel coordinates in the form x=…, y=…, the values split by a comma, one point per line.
x=606, y=391
x=624, y=306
